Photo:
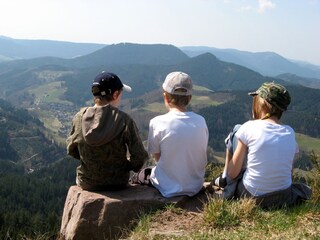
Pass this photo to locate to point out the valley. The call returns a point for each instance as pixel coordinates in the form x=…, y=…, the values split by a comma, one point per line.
x=39, y=96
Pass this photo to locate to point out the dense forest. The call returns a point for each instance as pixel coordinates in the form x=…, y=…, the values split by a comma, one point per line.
x=22, y=138
x=32, y=204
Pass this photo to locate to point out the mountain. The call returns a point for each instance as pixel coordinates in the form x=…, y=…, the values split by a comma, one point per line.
x=53, y=89
x=266, y=63
x=12, y=49
x=130, y=53
x=141, y=66
x=208, y=71
x=292, y=78
x=23, y=140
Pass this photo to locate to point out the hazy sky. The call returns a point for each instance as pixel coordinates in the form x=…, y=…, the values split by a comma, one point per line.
x=290, y=28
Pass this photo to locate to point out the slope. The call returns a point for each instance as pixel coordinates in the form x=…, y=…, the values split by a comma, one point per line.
x=266, y=63
x=22, y=139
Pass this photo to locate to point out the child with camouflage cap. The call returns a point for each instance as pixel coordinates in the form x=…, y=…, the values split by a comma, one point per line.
x=105, y=139
x=260, y=153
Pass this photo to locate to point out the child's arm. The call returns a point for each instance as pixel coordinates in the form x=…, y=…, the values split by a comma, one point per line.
x=236, y=163
x=156, y=156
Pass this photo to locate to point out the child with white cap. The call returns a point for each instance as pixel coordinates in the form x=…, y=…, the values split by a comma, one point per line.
x=178, y=141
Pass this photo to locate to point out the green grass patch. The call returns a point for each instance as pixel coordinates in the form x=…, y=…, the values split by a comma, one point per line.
x=156, y=107
x=196, y=101
x=200, y=88
x=50, y=92
x=308, y=143
x=203, y=100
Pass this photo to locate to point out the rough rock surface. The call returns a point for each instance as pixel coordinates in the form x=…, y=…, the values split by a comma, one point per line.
x=106, y=215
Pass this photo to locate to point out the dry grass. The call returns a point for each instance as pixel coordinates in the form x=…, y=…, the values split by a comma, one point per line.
x=233, y=220
x=222, y=219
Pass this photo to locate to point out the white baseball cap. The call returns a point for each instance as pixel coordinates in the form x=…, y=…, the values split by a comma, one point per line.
x=178, y=83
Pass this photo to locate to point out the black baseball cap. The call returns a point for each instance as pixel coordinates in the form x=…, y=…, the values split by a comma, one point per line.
x=106, y=83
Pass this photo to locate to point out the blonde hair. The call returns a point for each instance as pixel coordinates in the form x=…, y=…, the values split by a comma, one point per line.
x=260, y=105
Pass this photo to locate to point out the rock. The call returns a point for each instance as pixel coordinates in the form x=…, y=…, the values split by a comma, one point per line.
x=107, y=215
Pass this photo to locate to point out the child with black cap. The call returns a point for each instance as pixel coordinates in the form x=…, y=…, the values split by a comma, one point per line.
x=105, y=139
x=260, y=154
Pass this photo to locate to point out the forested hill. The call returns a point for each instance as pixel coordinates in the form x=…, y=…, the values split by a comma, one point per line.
x=23, y=140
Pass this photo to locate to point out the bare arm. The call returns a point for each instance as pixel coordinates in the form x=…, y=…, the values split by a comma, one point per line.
x=236, y=163
x=156, y=156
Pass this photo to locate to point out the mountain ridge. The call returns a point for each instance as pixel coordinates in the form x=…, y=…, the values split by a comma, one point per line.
x=266, y=63
x=13, y=49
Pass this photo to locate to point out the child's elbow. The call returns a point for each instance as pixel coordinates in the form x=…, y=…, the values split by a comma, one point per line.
x=232, y=174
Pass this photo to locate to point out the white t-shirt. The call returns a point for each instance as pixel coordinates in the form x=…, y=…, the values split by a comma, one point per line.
x=182, y=139
x=271, y=150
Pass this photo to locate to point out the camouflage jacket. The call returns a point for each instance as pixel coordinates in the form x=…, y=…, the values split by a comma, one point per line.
x=107, y=142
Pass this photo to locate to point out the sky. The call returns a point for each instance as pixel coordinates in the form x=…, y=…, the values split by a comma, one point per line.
x=290, y=28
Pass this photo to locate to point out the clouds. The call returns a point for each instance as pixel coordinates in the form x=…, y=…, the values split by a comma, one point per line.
x=263, y=5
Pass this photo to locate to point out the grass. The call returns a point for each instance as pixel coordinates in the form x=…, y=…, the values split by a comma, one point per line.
x=201, y=88
x=308, y=143
x=49, y=93
x=242, y=219
x=204, y=101
x=157, y=107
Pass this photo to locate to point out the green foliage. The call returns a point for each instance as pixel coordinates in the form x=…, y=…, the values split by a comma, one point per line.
x=303, y=162
x=31, y=205
x=212, y=171
x=314, y=177
x=22, y=138
x=224, y=214
x=222, y=118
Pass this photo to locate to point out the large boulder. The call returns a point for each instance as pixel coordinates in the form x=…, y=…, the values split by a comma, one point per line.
x=108, y=215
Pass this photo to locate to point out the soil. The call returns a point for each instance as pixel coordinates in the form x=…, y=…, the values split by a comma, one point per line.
x=177, y=222
x=184, y=219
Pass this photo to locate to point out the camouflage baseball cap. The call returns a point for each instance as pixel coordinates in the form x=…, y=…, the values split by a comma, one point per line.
x=275, y=94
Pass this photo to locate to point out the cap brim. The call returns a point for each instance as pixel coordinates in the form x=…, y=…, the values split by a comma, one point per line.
x=252, y=93
x=126, y=88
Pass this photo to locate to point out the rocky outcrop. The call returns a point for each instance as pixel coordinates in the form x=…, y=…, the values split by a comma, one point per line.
x=108, y=215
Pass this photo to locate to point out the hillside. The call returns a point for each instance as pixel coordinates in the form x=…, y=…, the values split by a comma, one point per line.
x=294, y=79
x=23, y=140
x=266, y=63
x=53, y=89
x=141, y=66
x=132, y=54
x=42, y=94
